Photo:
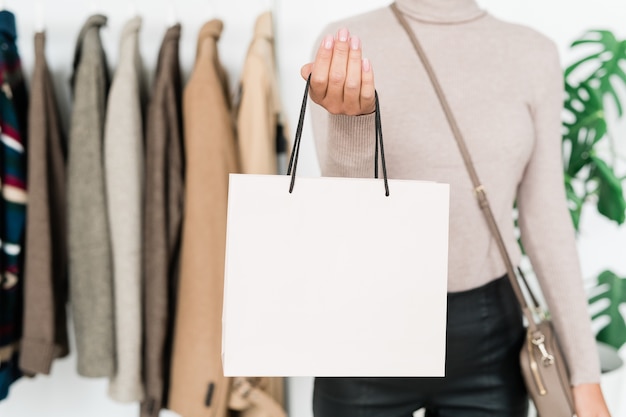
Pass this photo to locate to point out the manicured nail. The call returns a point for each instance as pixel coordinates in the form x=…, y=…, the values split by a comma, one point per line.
x=355, y=43
x=328, y=42
x=342, y=35
x=366, y=65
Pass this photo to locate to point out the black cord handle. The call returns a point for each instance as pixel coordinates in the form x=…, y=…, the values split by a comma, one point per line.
x=295, y=152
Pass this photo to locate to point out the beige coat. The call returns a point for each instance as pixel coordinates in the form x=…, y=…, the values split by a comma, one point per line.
x=258, y=118
x=260, y=111
x=198, y=387
x=123, y=163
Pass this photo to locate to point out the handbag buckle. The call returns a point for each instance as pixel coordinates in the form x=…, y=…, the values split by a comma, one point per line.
x=546, y=358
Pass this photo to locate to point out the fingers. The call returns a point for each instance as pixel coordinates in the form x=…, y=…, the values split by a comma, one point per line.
x=367, y=88
x=352, y=85
x=341, y=80
x=338, y=70
x=320, y=69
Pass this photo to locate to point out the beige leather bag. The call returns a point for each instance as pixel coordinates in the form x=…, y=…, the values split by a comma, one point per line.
x=543, y=366
x=545, y=372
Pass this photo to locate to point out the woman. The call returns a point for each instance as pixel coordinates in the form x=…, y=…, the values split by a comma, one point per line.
x=504, y=85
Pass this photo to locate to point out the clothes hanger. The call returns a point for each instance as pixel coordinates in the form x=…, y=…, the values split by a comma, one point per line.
x=270, y=6
x=132, y=9
x=212, y=10
x=40, y=16
x=95, y=6
x=172, y=14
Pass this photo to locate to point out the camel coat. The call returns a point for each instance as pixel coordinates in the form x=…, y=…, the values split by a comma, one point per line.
x=198, y=387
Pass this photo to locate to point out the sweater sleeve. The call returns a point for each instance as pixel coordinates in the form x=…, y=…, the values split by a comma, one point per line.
x=345, y=144
x=546, y=229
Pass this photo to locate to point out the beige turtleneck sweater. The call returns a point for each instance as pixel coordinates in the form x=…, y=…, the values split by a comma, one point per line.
x=504, y=84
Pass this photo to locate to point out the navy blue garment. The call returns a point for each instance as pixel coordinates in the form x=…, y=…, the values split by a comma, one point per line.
x=13, y=117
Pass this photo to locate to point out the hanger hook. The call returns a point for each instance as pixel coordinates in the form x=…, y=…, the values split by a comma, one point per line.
x=212, y=9
x=132, y=8
x=172, y=15
x=40, y=13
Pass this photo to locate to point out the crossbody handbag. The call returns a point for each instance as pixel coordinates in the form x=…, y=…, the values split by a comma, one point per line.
x=542, y=363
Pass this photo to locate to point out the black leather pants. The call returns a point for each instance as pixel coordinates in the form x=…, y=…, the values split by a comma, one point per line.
x=484, y=337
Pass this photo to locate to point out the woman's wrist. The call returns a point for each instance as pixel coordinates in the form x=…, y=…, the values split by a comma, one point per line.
x=589, y=401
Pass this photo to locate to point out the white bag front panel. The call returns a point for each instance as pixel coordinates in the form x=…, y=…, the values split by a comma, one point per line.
x=335, y=279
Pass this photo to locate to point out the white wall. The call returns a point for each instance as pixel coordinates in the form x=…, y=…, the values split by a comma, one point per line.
x=298, y=22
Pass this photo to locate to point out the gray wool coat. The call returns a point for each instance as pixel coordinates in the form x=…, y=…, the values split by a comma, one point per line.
x=91, y=292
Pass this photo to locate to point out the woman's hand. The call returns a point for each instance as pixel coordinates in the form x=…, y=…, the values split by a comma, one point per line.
x=589, y=401
x=341, y=80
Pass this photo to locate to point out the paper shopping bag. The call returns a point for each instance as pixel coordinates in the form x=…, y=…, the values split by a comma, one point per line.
x=335, y=276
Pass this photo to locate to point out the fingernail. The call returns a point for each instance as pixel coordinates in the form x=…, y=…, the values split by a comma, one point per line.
x=342, y=35
x=355, y=43
x=328, y=42
x=366, y=65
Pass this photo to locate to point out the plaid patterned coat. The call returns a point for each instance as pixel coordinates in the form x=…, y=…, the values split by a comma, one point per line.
x=13, y=112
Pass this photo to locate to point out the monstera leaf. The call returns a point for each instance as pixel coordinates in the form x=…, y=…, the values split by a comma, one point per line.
x=606, y=58
x=610, y=192
x=575, y=202
x=584, y=126
x=615, y=332
x=586, y=173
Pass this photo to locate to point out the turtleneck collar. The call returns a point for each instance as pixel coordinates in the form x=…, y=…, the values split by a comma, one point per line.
x=441, y=11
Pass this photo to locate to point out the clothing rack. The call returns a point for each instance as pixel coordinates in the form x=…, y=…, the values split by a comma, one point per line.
x=35, y=15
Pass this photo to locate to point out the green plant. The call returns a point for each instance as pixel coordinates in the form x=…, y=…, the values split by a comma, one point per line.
x=613, y=290
x=590, y=161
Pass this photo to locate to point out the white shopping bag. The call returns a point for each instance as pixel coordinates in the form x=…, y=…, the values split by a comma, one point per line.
x=335, y=278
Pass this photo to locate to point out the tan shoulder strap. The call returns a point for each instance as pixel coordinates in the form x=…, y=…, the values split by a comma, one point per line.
x=479, y=189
